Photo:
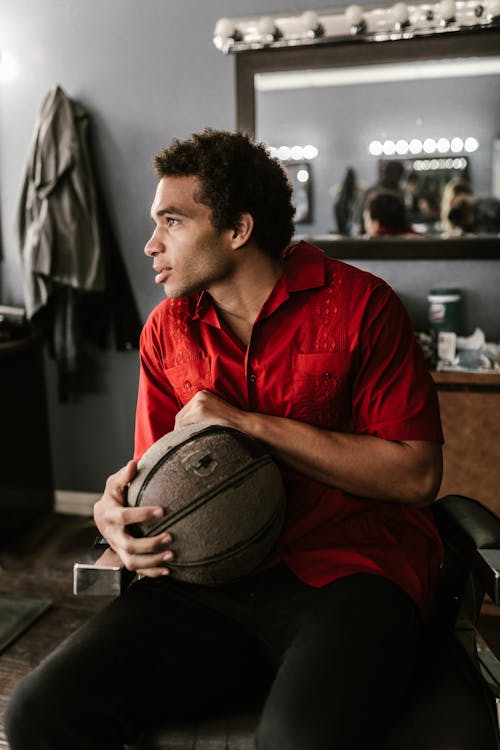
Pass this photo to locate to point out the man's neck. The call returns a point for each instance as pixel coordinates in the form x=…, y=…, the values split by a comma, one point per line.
x=240, y=300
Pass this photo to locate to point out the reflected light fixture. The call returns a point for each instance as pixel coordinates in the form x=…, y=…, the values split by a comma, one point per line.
x=443, y=145
x=426, y=165
x=428, y=146
x=415, y=146
x=294, y=153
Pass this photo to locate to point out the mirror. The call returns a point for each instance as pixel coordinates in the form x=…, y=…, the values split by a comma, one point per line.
x=364, y=104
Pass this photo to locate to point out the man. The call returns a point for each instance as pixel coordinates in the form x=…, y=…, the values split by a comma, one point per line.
x=391, y=174
x=316, y=359
x=385, y=214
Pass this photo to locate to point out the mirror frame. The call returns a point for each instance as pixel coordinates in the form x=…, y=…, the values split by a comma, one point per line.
x=355, y=52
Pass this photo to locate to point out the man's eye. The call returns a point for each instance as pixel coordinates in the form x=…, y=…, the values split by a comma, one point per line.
x=171, y=222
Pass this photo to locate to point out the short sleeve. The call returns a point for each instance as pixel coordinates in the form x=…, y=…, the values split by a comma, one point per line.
x=394, y=396
x=157, y=405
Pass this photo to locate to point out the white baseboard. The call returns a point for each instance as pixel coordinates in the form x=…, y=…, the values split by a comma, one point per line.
x=78, y=503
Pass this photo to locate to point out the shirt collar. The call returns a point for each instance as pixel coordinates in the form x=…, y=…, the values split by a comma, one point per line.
x=305, y=268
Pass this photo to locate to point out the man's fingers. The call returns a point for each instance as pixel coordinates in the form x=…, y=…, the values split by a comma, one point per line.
x=142, y=563
x=153, y=572
x=127, y=516
x=145, y=545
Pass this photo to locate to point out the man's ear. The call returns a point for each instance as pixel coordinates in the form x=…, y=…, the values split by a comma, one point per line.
x=242, y=230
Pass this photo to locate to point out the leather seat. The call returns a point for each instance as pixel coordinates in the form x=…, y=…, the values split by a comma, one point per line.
x=453, y=705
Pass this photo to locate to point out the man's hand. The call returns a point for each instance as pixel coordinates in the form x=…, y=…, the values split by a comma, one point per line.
x=148, y=556
x=206, y=407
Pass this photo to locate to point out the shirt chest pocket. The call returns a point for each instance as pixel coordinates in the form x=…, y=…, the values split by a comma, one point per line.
x=321, y=388
x=189, y=378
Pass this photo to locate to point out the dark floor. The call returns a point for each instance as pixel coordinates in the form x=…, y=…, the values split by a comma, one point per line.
x=39, y=563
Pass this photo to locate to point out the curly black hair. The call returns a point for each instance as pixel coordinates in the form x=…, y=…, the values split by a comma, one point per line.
x=236, y=175
x=388, y=208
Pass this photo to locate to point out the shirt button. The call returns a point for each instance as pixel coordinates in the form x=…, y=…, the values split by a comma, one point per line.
x=188, y=384
x=253, y=377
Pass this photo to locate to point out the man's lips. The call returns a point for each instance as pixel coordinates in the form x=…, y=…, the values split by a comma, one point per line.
x=162, y=275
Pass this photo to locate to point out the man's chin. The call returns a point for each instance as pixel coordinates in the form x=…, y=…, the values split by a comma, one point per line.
x=177, y=293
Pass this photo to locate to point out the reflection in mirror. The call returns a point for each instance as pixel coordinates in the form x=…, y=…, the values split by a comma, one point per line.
x=441, y=121
x=299, y=174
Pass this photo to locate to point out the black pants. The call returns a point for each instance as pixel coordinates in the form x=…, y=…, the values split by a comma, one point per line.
x=335, y=664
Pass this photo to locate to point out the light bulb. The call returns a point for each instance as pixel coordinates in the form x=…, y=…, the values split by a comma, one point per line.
x=415, y=146
x=310, y=22
x=224, y=28
x=493, y=8
x=310, y=151
x=389, y=148
x=400, y=13
x=284, y=153
x=297, y=153
x=354, y=16
x=430, y=146
x=471, y=145
x=266, y=26
x=375, y=148
x=447, y=9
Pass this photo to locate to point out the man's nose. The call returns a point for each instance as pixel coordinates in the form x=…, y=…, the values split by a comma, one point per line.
x=153, y=246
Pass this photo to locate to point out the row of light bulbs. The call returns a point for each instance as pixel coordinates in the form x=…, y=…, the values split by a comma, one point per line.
x=294, y=153
x=355, y=19
x=401, y=147
x=444, y=12
x=426, y=165
x=429, y=146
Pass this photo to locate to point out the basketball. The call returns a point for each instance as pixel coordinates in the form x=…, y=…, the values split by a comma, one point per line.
x=223, y=500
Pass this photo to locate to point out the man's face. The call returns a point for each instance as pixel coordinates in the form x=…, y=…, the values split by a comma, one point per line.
x=189, y=254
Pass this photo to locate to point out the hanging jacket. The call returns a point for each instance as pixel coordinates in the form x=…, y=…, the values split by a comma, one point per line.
x=65, y=240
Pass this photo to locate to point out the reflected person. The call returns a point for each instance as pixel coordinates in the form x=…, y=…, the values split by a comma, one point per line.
x=385, y=214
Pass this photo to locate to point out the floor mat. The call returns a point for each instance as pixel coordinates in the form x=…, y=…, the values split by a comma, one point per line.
x=17, y=614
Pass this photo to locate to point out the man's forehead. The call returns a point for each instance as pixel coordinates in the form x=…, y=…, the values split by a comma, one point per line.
x=175, y=191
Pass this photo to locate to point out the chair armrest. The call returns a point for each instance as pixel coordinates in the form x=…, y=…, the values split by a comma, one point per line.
x=468, y=519
x=467, y=528
x=488, y=567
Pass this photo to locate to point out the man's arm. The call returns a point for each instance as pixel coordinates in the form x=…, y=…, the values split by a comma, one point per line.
x=371, y=467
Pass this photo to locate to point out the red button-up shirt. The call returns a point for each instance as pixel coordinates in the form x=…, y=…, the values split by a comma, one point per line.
x=331, y=346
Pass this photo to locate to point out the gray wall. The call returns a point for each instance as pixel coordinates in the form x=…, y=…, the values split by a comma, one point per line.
x=147, y=71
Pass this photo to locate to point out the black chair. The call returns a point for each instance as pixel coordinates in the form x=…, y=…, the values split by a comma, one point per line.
x=456, y=693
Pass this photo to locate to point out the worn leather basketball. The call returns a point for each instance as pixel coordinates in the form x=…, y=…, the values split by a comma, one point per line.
x=223, y=500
